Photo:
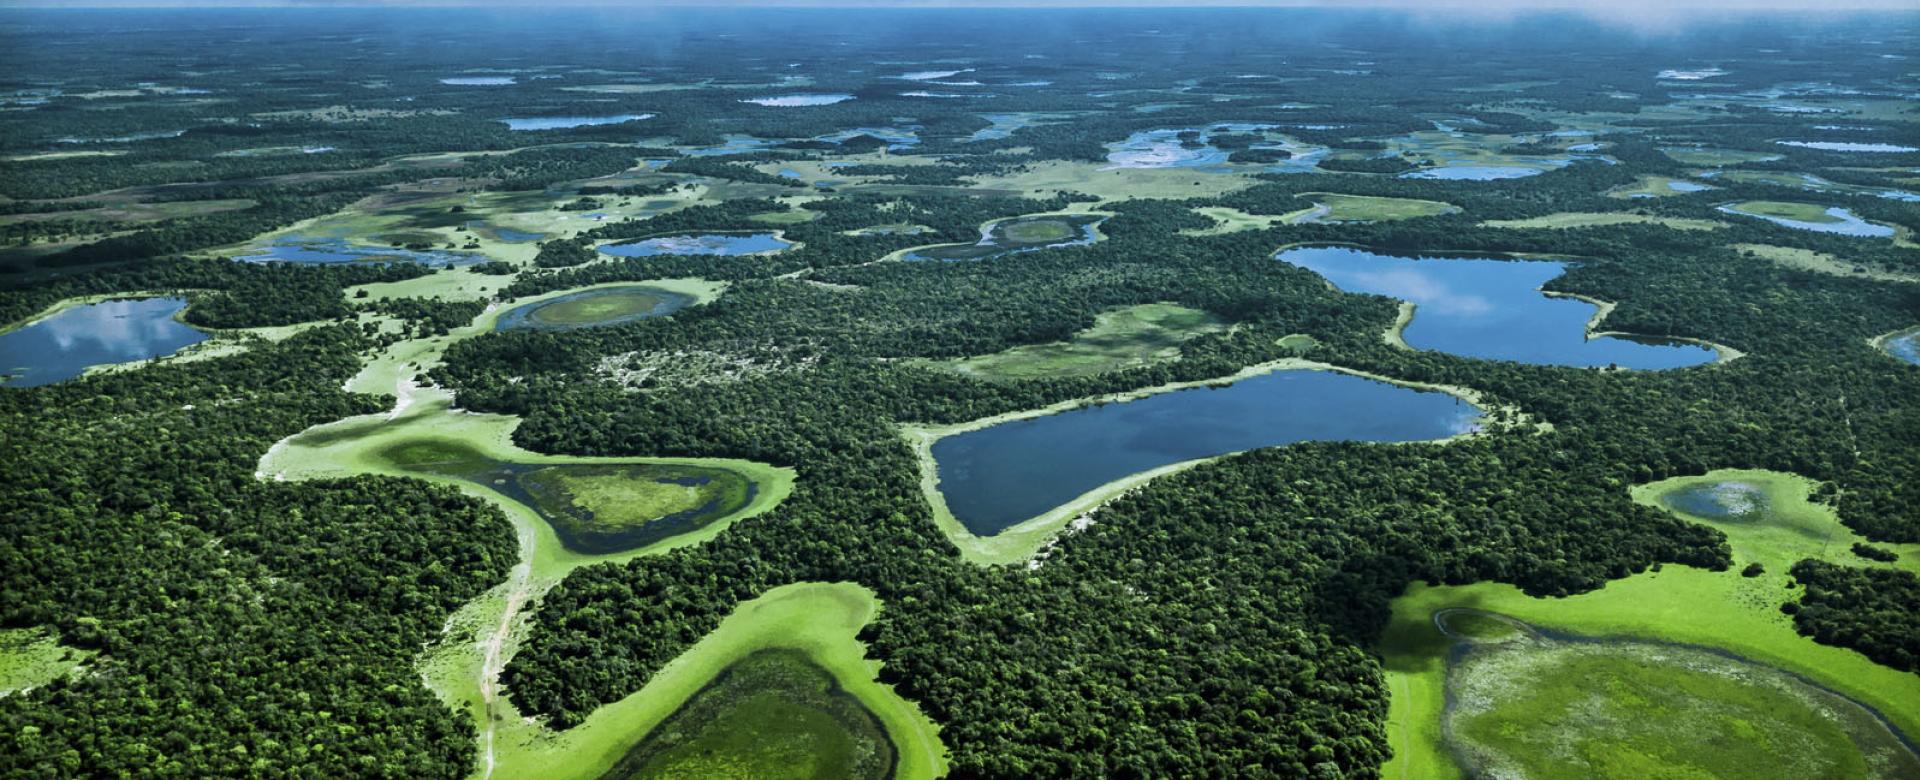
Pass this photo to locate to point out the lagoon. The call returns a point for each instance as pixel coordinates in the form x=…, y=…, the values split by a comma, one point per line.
x=704, y=244
x=563, y=122
x=1020, y=234
x=1905, y=346
x=68, y=343
x=1842, y=222
x=299, y=249
x=1491, y=309
x=1849, y=146
x=785, y=101
x=592, y=308
x=996, y=477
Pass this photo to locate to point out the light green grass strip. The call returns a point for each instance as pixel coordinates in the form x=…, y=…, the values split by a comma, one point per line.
x=1721, y=610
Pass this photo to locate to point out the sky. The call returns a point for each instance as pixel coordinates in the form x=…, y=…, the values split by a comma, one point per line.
x=1608, y=7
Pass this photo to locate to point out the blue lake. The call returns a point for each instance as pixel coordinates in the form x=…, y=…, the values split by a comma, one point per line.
x=999, y=476
x=1474, y=172
x=1849, y=224
x=707, y=244
x=1905, y=346
x=1488, y=308
x=297, y=249
x=66, y=344
x=563, y=122
x=1166, y=149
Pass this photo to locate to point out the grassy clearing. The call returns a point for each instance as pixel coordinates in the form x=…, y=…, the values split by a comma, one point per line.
x=1579, y=219
x=1045, y=179
x=1717, y=610
x=788, y=217
x=1015, y=234
x=1715, y=158
x=1122, y=338
x=1798, y=212
x=819, y=620
x=1544, y=708
x=1821, y=262
x=1019, y=543
x=773, y=714
x=1648, y=186
x=32, y=657
x=1367, y=208
x=1232, y=220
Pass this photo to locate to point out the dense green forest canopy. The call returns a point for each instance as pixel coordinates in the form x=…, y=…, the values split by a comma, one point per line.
x=1214, y=622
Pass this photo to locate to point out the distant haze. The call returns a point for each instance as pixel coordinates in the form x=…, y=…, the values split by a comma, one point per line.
x=1599, y=7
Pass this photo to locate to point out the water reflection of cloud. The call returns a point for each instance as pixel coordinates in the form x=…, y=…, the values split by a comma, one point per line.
x=113, y=325
x=1429, y=291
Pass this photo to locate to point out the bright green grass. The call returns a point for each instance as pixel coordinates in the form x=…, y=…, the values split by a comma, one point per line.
x=1297, y=342
x=1720, y=610
x=788, y=217
x=772, y=714
x=1478, y=626
x=32, y=657
x=599, y=308
x=1580, y=219
x=1049, y=177
x=1038, y=231
x=1799, y=212
x=1368, y=208
x=1647, y=186
x=1715, y=157
x=1122, y=338
x=818, y=620
x=1232, y=220
x=1543, y=708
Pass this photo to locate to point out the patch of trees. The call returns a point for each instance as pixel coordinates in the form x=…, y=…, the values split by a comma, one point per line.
x=1868, y=609
x=244, y=626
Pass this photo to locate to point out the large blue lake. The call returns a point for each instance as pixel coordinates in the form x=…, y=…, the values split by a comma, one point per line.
x=66, y=344
x=1487, y=308
x=999, y=476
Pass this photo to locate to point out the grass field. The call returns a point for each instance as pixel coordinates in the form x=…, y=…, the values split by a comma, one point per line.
x=1232, y=220
x=1717, y=610
x=773, y=714
x=1715, y=157
x=1648, y=186
x=1565, y=220
x=1122, y=338
x=817, y=620
x=1048, y=177
x=1534, y=707
x=1368, y=208
x=32, y=657
x=788, y=217
x=1798, y=212
x=1821, y=262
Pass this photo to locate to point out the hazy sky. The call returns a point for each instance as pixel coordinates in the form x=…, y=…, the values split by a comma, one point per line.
x=1605, y=7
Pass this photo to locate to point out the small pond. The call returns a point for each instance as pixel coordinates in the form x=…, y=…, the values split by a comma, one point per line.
x=785, y=101
x=1850, y=146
